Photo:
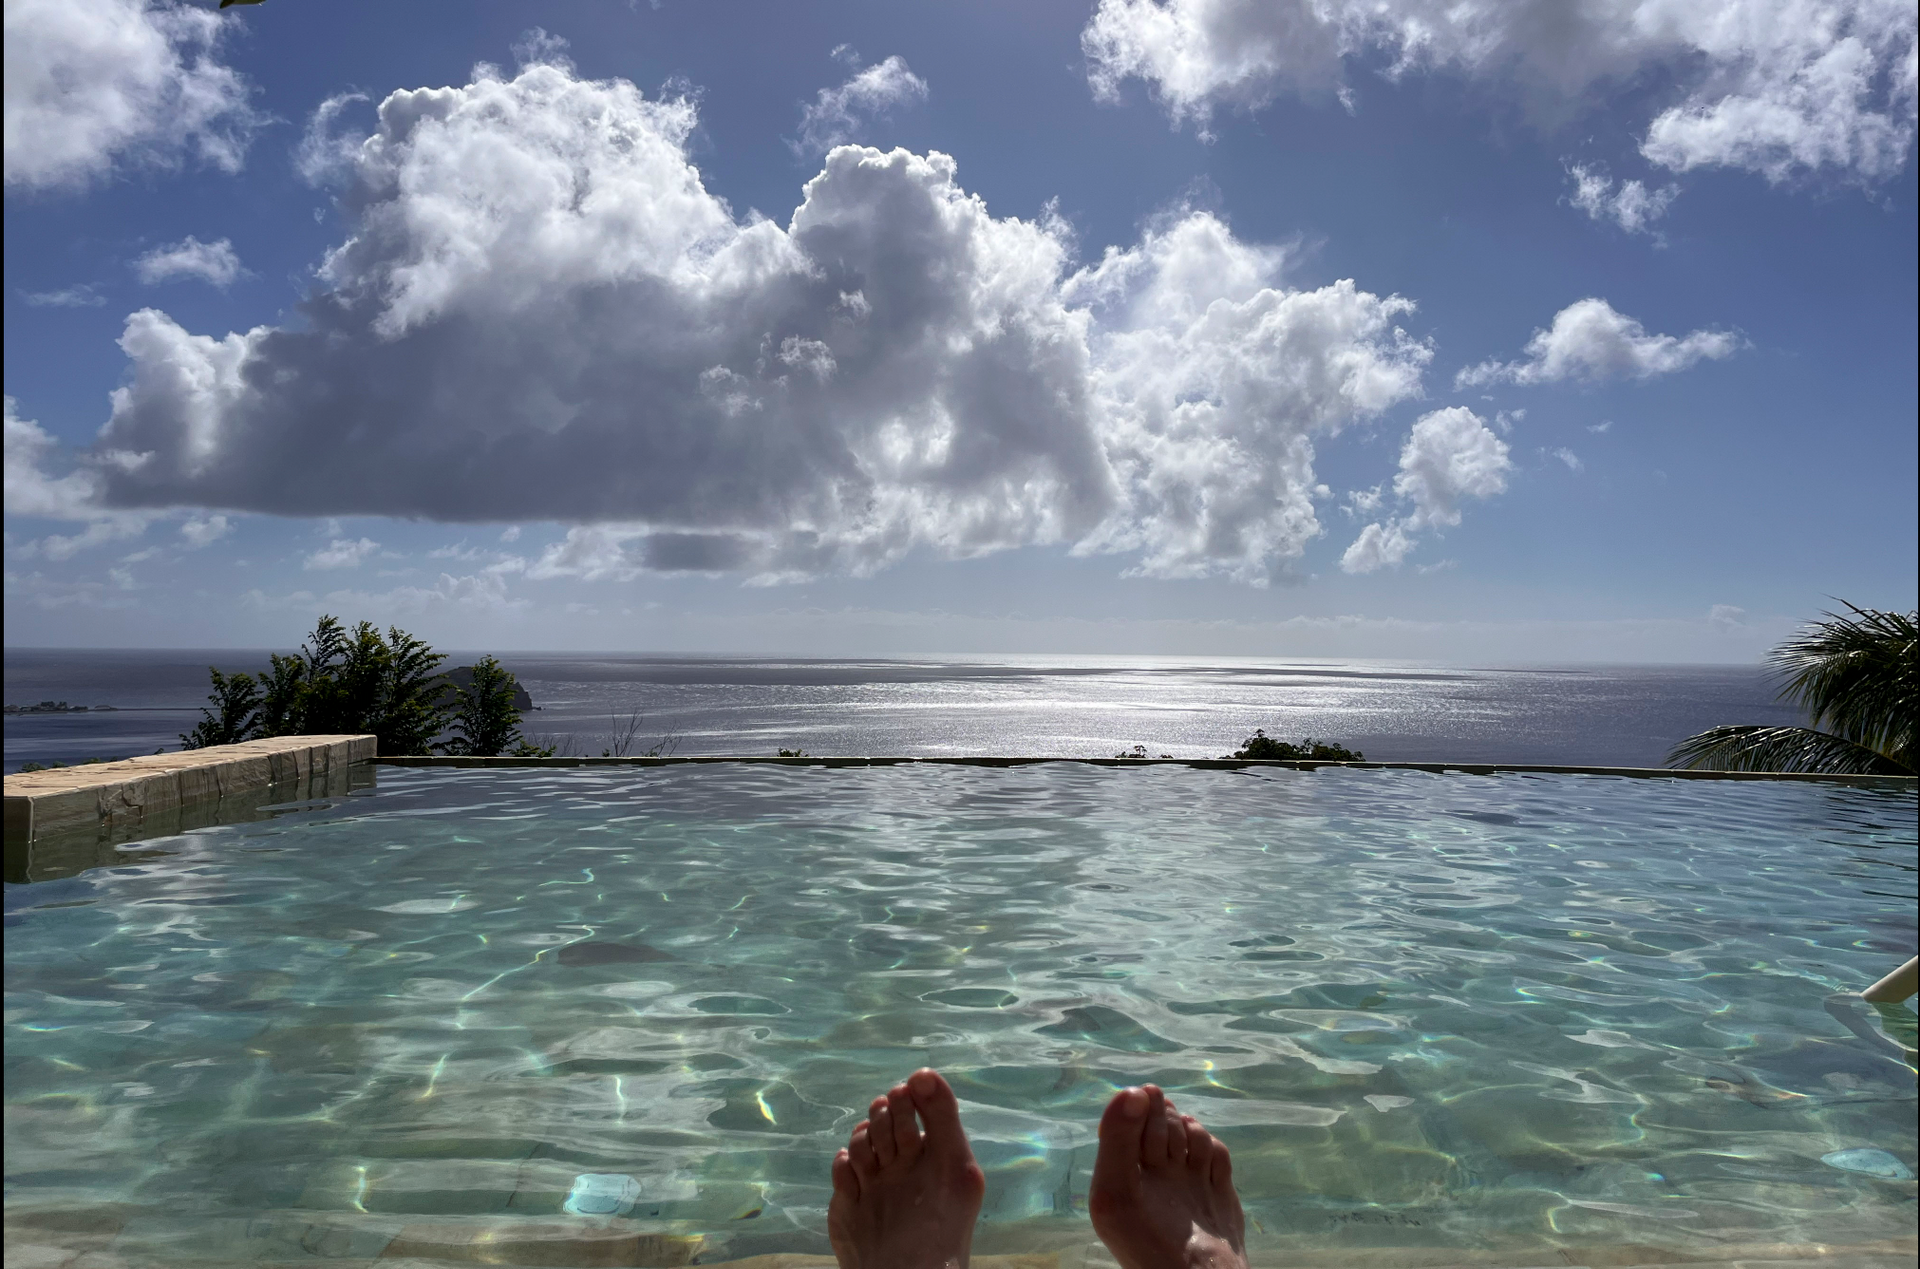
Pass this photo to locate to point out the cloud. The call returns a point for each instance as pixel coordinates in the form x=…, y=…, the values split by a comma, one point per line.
x=82, y=296
x=1777, y=87
x=342, y=553
x=1590, y=340
x=1632, y=206
x=1364, y=502
x=30, y=491
x=835, y=116
x=1571, y=459
x=479, y=592
x=111, y=82
x=1450, y=455
x=1211, y=385
x=322, y=156
x=1726, y=617
x=1378, y=546
x=214, y=263
x=202, y=531
x=541, y=313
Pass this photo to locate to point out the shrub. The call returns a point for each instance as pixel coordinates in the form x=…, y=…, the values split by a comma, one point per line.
x=1261, y=745
x=486, y=723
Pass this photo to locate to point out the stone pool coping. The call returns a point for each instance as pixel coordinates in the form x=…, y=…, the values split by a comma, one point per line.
x=121, y=798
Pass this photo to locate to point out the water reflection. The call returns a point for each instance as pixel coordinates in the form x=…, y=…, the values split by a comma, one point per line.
x=1530, y=1012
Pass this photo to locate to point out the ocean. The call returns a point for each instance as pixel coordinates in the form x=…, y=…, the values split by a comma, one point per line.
x=1601, y=715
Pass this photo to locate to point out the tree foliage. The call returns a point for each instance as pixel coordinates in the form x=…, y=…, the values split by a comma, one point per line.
x=1261, y=745
x=340, y=682
x=1855, y=676
x=486, y=723
x=232, y=713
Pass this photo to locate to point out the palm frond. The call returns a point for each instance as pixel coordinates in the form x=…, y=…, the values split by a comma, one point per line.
x=1856, y=676
x=1755, y=748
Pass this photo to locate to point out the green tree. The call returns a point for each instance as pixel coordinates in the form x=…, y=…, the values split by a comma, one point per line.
x=232, y=715
x=1854, y=675
x=341, y=682
x=485, y=720
x=416, y=707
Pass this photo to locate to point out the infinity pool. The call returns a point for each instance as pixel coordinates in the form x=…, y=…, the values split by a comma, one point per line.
x=1509, y=1012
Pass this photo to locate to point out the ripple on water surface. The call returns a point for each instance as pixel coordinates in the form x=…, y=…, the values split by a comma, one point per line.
x=1437, y=1010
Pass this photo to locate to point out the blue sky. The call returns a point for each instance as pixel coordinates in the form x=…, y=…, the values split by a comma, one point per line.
x=1507, y=332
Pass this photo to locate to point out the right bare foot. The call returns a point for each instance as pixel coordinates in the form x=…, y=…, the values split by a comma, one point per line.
x=1162, y=1194
x=902, y=1198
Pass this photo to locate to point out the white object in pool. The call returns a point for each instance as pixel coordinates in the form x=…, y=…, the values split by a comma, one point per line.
x=1872, y=1162
x=602, y=1194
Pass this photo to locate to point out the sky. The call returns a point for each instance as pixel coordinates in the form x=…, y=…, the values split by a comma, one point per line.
x=1531, y=331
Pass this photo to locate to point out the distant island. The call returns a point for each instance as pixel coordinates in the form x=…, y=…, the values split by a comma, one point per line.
x=60, y=707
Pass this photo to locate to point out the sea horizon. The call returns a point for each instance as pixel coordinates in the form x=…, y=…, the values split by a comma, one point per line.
x=1041, y=704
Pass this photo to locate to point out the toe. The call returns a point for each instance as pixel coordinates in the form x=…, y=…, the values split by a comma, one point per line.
x=881, y=1132
x=939, y=1111
x=1176, y=1138
x=860, y=1151
x=846, y=1182
x=1199, y=1148
x=1116, y=1168
x=1221, y=1172
x=906, y=1132
x=1153, y=1143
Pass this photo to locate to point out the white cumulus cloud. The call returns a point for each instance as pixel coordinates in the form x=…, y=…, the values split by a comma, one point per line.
x=1380, y=545
x=1589, y=339
x=541, y=313
x=1630, y=204
x=1450, y=455
x=107, y=82
x=215, y=263
x=342, y=553
x=836, y=115
x=1773, y=86
x=30, y=491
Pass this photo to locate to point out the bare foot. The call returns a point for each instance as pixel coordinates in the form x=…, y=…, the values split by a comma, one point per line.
x=904, y=1199
x=1162, y=1195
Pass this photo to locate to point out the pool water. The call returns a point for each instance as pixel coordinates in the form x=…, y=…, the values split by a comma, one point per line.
x=1507, y=1012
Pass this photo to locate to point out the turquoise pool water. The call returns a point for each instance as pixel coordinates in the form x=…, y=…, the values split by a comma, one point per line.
x=1518, y=1011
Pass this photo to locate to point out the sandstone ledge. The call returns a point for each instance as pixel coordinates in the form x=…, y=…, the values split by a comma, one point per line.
x=119, y=797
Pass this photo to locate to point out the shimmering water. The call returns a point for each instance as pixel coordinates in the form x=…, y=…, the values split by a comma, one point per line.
x=1605, y=715
x=1433, y=1010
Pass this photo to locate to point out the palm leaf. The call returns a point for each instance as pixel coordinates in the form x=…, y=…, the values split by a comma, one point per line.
x=1755, y=748
x=1856, y=677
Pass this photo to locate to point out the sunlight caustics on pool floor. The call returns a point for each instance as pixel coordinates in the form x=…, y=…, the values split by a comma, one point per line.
x=1514, y=1012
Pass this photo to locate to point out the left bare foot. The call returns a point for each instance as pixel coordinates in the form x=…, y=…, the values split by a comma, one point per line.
x=903, y=1198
